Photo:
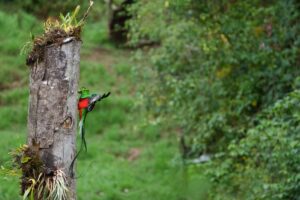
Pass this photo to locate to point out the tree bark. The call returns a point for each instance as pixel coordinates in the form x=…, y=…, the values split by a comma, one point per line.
x=52, y=119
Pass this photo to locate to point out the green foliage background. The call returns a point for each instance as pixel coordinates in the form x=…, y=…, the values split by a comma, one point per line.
x=115, y=129
x=228, y=73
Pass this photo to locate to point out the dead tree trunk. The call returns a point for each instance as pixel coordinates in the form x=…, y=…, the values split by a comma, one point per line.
x=52, y=120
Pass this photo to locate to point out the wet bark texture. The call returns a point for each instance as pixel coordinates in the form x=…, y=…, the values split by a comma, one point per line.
x=52, y=116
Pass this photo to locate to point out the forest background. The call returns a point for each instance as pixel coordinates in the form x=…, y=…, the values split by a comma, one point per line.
x=192, y=79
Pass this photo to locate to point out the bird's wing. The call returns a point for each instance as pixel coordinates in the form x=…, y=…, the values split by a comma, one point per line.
x=94, y=98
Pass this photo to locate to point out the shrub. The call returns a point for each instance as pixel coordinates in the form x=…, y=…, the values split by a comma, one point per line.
x=220, y=66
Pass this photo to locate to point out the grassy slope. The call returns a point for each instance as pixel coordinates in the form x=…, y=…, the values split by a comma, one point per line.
x=114, y=133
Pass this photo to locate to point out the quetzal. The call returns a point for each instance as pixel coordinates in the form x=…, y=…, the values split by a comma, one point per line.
x=86, y=104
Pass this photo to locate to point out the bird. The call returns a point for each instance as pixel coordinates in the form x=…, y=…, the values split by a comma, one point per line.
x=86, y=104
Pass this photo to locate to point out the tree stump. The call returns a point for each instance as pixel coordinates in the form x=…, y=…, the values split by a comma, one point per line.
x=52, y=119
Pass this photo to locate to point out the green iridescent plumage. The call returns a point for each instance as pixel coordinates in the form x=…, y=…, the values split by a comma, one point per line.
x=86, y=104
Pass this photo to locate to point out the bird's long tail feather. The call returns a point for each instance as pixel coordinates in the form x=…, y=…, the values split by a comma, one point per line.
x=82, y=132
x=82, y=145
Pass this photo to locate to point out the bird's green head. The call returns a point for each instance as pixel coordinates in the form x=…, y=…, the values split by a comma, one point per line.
x=84, y=92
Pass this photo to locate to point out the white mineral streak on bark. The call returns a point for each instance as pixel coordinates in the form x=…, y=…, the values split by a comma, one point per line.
x=52, y=119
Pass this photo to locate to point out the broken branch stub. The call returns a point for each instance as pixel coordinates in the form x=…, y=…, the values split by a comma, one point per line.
x=52, y=115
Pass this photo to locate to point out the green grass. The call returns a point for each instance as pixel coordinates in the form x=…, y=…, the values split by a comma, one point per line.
x=114, y=130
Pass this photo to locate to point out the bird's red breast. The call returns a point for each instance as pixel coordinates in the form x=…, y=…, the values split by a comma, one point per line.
x=83, y=103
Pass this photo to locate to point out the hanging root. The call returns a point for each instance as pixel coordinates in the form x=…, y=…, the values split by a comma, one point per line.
x=47, y=187
x=57, y=186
